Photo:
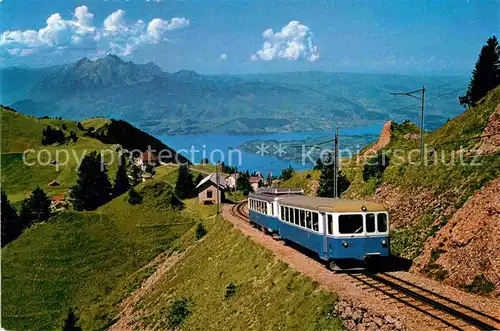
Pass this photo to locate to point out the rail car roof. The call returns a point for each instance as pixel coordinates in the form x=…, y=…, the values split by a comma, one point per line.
x=331, y=204
x=267, y=197
x=280, y=190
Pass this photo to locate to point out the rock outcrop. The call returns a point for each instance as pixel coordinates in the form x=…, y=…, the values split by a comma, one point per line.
x=471, y=236
x=490, y=143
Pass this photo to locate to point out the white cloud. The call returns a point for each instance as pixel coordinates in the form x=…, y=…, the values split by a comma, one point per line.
x=293, y=42
x=223, y=56
x=116, y=34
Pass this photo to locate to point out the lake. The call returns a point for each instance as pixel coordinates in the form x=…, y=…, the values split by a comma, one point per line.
x=225, y=147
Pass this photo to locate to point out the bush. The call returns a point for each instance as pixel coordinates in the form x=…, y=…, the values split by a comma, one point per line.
x=177, y=313
x=134, y=198
x=480, y=285
x=200, y=231
x=376, y=166
x=287, y=173
x=230, y=290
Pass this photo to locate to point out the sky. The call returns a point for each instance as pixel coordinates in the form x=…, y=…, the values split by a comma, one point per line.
x=237, y=37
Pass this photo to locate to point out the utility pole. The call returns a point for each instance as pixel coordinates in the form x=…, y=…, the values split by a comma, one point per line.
x=336, y=165
x=422, y=99
x=218, y=187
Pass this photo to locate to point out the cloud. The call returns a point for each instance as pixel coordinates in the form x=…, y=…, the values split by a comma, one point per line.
x=116, y=34
x=223, y=56
x=293, y=42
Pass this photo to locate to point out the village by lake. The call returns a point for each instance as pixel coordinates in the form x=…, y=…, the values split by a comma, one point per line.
x=227, y=147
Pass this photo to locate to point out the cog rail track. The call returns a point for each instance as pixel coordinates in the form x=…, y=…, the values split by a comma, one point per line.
x=449, y=312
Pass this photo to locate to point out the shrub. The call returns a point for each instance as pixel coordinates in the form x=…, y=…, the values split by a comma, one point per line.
x=177, y=313
x=134, y=198
x=230, y=290
x=480, y=285
x=376, y=166
x=200, y=231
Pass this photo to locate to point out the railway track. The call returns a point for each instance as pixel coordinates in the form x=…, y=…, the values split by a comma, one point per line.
x=448, y=312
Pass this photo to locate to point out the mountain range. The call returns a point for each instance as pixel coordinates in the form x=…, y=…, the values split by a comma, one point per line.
x=187, y=102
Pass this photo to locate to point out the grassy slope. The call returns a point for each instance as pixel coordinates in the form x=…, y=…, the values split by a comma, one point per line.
x=302, y=179
x=84, y=260
x=269, y=295
x=19, y=133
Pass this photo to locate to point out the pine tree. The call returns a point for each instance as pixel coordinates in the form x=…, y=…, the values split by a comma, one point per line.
x=92, y=188
x=34, y=209
x=243, y=183
x=486, y=74
x=327, y=179
x=70, y=322
x=11, y=226
x=198, y=179
x=318, y=165
x=121, y=179
x=184, y=186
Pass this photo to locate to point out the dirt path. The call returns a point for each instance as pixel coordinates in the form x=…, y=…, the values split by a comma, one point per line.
x=361, y=296
x=129, y=317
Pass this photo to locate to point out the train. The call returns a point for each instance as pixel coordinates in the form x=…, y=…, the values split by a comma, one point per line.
x=345, y=234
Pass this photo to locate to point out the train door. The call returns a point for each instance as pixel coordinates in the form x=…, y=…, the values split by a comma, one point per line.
x=325, y=241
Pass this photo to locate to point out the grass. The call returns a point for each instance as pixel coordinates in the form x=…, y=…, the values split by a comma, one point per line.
x=264, y=293
x=21, y=133
x=302, y=179
x=90, y=261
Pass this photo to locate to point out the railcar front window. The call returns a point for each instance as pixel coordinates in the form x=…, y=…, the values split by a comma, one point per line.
x=382, y=222
x=315, y=222
x=330, y=224
x=350, y=224
x=370, y=223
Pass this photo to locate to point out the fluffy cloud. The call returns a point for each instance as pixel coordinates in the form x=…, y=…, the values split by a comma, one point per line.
x=116, y=34
x=293, y=42
x=223, y=56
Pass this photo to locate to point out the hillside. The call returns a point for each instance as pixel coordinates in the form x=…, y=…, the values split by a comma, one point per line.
x=265, y=289
x=187, y=102
x=432, y=206
x=89, y=261
x=21, y=133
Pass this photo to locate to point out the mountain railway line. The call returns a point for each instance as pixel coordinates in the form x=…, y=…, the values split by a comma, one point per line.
x=448, y=313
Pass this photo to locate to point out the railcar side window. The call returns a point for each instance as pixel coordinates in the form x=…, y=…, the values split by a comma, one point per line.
x=282, y=213
x=370, y=223
x=315, y=222
x=302, y=215
x=308, y=220
x=350, y=224
x=382, y=222
x=330, y=224
x=298, y=219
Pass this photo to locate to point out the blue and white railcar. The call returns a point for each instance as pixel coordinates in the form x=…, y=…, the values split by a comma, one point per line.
x=263, y=208
x=336, y=229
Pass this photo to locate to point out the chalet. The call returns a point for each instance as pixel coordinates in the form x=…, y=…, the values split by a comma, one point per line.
x=209, y=189
x=256, y=182
x=58, y=203
x=231, y=181
x=145, y=159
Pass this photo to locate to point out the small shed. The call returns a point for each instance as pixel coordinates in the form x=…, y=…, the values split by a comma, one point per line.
x=207, y=189
x=53, y=183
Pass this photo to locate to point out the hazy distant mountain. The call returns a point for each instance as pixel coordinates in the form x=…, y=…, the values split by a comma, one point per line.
x=186, y=102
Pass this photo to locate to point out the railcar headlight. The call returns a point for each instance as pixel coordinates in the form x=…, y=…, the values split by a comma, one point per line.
x=344, y=243
x=384, y=243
